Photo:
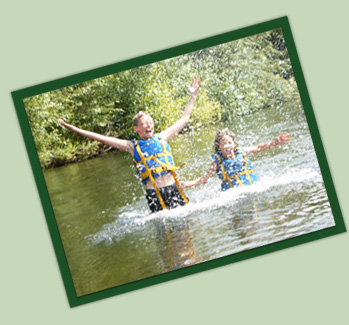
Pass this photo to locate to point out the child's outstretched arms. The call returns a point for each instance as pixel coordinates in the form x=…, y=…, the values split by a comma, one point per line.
x=282, y=138
x=203, y=179
x=120, y=144
x=173, y=130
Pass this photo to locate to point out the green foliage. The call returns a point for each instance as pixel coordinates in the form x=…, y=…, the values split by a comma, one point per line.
x=238, y=78
x=248, y=74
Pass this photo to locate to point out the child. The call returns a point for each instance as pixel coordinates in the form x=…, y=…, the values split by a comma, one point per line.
x=152, y=155
x=231, y=163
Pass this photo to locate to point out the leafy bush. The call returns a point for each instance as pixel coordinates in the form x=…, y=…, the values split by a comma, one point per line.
x=237, y=77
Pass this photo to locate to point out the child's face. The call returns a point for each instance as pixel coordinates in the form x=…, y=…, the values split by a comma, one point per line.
x=226, y=146
x=145, y=127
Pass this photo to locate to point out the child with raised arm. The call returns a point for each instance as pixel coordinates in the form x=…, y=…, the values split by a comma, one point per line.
x=152, y=155
x=230, y=161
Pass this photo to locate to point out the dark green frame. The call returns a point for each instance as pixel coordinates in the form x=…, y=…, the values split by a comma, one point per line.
x=19, y=95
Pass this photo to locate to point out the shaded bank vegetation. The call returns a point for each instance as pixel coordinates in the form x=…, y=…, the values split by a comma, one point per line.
x=237, y=78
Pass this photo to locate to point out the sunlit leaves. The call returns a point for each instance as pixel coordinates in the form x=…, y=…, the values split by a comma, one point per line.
x=237, y=78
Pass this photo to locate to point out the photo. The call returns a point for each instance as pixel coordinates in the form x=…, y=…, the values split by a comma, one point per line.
x=167, y=164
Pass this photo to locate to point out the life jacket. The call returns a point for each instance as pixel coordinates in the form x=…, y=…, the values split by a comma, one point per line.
x=152, y=159
x=235, y=172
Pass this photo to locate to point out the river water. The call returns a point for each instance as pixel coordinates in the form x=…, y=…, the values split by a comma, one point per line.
x=110, y=238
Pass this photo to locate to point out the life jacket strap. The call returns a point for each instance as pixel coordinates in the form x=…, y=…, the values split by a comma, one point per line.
x=246, y=165
x=179, y=187
x=157, y=170
x=162, y=203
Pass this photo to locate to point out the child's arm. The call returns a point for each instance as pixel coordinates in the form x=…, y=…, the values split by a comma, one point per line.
x=282, y=138
x=203, y=179
x=173, y=130
x=120, y=144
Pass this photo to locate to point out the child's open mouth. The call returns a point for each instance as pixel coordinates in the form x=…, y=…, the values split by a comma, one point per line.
x=229, y=152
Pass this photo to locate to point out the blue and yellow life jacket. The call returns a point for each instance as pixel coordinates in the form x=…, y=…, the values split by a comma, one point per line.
x=235, y=172
x=152, y=159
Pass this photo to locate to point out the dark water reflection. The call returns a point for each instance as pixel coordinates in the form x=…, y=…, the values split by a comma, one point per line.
x=110, y=238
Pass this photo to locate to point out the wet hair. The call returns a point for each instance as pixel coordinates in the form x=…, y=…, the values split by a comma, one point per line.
x=138, y=116
x=220, y=135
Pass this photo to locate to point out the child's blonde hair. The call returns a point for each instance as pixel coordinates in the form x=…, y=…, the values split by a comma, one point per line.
x=138, y=116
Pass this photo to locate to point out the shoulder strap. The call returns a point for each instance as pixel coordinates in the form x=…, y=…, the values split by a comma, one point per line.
x=246, y=165
x=224, y=172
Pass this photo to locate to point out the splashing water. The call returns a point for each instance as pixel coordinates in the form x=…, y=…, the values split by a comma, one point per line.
x=204, y=200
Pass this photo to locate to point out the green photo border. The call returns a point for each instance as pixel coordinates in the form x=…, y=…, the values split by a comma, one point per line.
x=19, y=95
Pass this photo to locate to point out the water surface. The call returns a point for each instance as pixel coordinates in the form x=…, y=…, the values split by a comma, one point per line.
x=110, y=238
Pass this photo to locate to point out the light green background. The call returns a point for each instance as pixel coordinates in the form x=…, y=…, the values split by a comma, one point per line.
x=42, y=41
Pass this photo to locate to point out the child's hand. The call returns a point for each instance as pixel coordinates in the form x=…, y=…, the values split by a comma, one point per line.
x=61, y=121
x=194, y=88
x=283, y=138
x=183, y=185
x=66, y=125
